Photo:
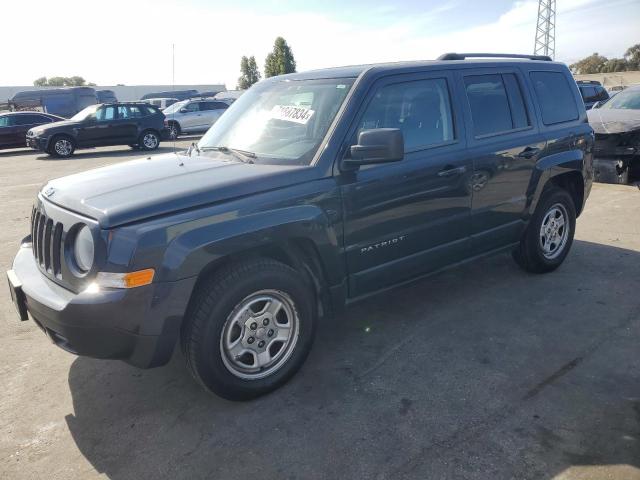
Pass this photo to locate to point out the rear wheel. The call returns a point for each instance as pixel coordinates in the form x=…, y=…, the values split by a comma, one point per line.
x=62, y=146
x=549, y=235
x=249, y=328
x=149, y=140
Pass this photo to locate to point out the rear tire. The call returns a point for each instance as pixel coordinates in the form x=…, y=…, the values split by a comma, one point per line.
x=62, y=146
x=549, y=235
x=148, y=140
x=249, y=328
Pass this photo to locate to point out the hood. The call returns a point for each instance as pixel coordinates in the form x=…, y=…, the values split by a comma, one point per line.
x=50, y=127
x=614, y=120
x=139, y=189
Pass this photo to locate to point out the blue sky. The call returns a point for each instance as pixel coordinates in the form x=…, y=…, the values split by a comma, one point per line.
x=211, y=36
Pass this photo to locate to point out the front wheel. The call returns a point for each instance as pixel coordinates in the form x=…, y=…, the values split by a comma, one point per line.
x=148, y=140
x=249, y=328
x=62, y=146
x=549, y=235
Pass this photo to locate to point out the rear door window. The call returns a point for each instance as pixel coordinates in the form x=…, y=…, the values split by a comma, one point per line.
x=496, y=104
x=555, y=97
x=192, y=107
x=421, y=109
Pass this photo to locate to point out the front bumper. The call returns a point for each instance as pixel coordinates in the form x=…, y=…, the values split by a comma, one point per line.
x=139, y=325
x=37, y=143
x=616, y=169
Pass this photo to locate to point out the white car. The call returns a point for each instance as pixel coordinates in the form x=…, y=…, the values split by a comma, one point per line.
x=193, y=115
x=161, y=103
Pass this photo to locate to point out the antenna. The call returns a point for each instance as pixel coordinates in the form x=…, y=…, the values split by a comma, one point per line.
x=545, y=43
x=173, y=86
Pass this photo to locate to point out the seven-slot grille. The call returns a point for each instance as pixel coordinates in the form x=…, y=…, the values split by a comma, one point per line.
x=46, y=236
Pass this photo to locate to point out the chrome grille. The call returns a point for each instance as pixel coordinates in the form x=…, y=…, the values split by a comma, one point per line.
x=46, y=237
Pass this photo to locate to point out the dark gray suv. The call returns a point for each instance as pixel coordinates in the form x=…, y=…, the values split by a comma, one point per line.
x=313, y=191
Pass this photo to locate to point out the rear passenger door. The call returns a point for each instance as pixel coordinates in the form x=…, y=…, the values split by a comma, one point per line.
x=505, y=144
x=191, y=118
x=411, y=217
x=128, y=123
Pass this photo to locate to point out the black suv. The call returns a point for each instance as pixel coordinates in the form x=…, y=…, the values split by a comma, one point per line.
x=592, y=92
x=315, y=190
x=135, y=124
x=15, y=125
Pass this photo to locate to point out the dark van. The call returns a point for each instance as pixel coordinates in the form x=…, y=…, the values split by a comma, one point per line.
x=64, y=102
x=313, y=191
x=106, y=96
x=179, y=94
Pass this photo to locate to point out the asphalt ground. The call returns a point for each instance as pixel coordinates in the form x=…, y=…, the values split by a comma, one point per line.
x=481, y=372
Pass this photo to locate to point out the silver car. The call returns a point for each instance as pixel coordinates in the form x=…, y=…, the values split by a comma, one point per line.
x=193, y=115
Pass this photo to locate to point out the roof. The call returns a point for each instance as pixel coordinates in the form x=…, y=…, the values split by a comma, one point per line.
x=449, y=60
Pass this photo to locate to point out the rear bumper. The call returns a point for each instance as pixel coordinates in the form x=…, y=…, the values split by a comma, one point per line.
x=139, y=325
x=164, y=134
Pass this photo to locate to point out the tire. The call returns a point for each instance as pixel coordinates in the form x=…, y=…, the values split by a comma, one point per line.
x=227, y=326
x=174, y=130
x=611, y=171
x=149, y=140
x=62, y=146
x=545, y=244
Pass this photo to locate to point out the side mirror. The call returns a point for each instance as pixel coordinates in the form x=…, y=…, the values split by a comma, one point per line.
x=379, y=145
x=183, y=110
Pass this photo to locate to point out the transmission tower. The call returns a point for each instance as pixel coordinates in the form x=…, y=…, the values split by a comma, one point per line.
x=546, y=29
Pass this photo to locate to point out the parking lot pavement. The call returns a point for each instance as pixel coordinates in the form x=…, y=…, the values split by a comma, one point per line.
x=480, y=372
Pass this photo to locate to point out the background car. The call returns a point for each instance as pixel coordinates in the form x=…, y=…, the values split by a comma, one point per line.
x=592, y=92
x=162, y=102
x=135, y=124
x=64, y=102
x=616, y=124
x=179, y=94
x=15, y=125
x=106, y=96
x=191, y=116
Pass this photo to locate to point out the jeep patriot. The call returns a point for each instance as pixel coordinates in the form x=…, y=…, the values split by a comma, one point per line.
x=314, y=190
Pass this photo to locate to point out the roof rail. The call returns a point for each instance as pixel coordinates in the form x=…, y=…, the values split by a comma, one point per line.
x=462, y=56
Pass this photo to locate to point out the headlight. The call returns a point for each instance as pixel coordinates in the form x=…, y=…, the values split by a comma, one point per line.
x=83, y=249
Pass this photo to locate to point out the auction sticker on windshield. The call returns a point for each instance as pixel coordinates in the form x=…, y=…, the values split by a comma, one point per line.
x=292, y=114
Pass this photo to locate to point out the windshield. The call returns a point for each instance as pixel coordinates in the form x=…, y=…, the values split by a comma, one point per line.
x=626, y=99
x=281, y=122
x=175, y=107
x=83, y=114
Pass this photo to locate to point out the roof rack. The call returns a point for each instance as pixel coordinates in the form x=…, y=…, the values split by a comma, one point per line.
x=589, y=82
x=462, y=56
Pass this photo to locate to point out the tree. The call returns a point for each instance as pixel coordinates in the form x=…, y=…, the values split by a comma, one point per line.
x=615, y=65
x=250, y=73
x=75, y=81
x=592, y=64
x=280, y=60
x=632, y=56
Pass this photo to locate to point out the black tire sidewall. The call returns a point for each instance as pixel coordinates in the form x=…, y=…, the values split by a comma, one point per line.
x=211, y=369
x=534, y=249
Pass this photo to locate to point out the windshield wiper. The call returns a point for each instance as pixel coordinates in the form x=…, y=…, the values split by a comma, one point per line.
x=242, y=155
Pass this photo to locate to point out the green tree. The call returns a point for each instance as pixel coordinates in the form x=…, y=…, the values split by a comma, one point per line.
x=250, y=73
x=40, y=82
x=632, y=56
x=280, y=60
x=75, y=81
x=615, y=65
x=592, y=64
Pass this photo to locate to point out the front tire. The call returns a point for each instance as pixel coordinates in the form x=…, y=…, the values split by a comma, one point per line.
x=549, y=235
x=249, y=328
x=148, y=140
x=62, y=146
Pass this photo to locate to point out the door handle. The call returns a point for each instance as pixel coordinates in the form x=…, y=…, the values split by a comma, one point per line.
x=528, y=152
x=450, y=171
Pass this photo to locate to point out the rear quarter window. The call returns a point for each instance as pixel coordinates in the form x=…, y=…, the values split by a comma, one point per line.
x=555, y=96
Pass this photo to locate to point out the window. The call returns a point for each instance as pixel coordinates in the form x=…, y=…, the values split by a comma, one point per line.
x=4, y=121
x=496, y=103
x=555, y=96
x=148, y=110
x=135, y=111
x=420, y=109
x=601, y=93
x=588, y=94
x=192, y=107
x=106, y=114
x=123, y=112
x=30, y=120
